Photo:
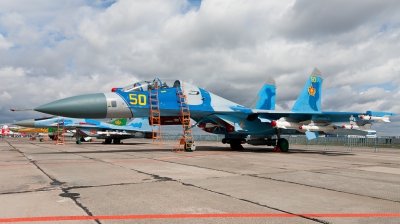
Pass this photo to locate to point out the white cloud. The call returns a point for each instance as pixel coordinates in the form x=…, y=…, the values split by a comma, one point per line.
x=4, y=44
x=5, y=96
x=231, y=47
x=10, y=72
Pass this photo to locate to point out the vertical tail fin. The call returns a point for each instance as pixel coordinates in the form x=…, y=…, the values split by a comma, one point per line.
x=266, y=97
x=119, y=121
x=309, y=99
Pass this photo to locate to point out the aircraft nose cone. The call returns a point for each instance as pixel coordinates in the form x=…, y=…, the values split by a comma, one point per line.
x=30, y=123
x=83, y=106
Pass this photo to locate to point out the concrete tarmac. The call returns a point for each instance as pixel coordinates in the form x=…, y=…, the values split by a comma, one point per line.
x=138, y=182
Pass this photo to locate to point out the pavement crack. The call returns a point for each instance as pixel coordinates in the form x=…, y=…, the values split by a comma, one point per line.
x=324, y=188
x=66, y=193
x=291, y=182
x=29, y=191
x=106, y=185
x=154, y=176
x=253, y=202
x=205, y=189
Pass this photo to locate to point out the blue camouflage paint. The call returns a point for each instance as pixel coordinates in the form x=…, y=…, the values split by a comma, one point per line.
x=63, y=121
x=92, y=122
x=242, y=109
x=309, y=99
x=168, y=102
x=136, y=125
x=266, y=98
x=206, y=105
x=269, y=103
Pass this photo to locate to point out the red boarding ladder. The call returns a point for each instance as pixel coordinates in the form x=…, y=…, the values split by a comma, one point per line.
x=155, y=119
x=187, y=139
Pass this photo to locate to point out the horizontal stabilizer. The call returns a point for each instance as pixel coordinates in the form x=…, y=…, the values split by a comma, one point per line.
x=379, y=113
x=311, y=135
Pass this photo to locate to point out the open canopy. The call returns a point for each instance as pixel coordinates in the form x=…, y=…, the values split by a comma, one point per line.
x=148, y=85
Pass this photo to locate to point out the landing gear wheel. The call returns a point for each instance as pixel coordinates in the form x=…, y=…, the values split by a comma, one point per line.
x=78, y=142
x=283, y=144
x=117, y=141
x=107, y=141
x=82, y=139
x=189, y=147
x=236, y=145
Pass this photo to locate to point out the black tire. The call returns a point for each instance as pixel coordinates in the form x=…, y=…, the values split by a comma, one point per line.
x=236, y=145
x=117, y=141
x=107, y=141
x=187, y=149
x=283, y=144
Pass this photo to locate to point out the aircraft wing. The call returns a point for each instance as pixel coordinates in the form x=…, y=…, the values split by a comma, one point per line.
x=100, y=133
x=137, y=128
x=332, y=116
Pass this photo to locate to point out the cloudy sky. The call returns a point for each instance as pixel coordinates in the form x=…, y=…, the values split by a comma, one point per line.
x=56, y=49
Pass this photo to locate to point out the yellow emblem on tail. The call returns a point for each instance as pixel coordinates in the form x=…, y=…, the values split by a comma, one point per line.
x=313, y=79
x=311, y=91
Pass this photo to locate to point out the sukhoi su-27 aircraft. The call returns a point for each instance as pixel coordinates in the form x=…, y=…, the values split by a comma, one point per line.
x=218, y=115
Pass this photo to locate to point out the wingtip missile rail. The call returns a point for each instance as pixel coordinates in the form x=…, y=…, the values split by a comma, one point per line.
x=375, y=118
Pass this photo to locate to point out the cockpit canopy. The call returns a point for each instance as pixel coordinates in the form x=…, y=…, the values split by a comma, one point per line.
x=149, y=85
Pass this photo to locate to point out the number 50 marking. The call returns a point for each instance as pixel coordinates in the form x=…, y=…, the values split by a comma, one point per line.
x=137, y=99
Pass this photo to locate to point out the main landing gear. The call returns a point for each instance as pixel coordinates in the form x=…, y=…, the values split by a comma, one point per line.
x=283, y=144
x=236, y=144
x=117, y=141
x=83, y=139
x=109, y=141
x=80, y=140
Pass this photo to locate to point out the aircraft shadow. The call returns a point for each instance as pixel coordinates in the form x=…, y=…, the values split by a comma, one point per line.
x=205, y=149
x=271, y=150
x=108, y=151
x=130, y=143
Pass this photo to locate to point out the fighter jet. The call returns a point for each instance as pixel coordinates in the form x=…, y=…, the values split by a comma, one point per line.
x=85, y=129
x=215, y=114
x=5, y=131
x=25, y=130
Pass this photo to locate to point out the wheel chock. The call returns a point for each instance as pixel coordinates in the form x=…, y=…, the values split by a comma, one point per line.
x=277, y=149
